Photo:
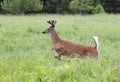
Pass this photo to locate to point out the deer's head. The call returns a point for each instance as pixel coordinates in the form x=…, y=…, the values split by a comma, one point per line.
x=51, y=28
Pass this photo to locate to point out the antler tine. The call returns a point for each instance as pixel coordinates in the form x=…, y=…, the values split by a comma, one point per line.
x=52, y=22
x=48, y=21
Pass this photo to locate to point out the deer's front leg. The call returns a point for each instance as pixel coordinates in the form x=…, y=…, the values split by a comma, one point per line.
x=55, y=54
x=60, y=52
x=53, y=51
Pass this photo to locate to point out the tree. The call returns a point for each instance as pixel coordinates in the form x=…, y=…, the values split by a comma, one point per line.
x=111, y=6
x=75, y=6
x=64, y=6
x=21, y=6
x=56, y=6
x=1, y=1
x=85, y=6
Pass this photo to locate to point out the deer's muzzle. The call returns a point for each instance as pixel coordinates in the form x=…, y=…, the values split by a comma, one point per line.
x=43, y=32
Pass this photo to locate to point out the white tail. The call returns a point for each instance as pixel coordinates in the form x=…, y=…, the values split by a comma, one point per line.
x=97, y=45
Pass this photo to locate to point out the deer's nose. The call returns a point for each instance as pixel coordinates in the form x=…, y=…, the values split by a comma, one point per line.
x=43, y=32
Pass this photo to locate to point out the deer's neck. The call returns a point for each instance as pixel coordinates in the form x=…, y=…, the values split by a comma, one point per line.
x=54, y=36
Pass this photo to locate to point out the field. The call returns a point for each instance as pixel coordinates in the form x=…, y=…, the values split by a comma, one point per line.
x=25, y=53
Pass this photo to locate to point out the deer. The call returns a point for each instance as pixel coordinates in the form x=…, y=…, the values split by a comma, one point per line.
x=66, y=48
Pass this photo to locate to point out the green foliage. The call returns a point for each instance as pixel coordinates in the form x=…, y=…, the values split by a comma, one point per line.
x=111, y=6
x=60, y=6
x=98, y=9
x=74, y=5
x=21, y=6
x=56, y=6
x=85, y=6
x=63, y=8
x=25, y=53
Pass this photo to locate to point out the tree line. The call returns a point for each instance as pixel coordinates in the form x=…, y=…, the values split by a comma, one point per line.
x=59, y=6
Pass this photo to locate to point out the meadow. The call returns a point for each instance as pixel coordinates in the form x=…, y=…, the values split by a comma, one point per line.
x=25, y=53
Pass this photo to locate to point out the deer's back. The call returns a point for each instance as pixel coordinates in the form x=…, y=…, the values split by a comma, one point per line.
x=68, y=48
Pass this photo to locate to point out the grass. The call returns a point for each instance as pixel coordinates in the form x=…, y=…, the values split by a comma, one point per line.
x=25, y=54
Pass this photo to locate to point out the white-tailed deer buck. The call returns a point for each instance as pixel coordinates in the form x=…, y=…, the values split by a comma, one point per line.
x=67, y=48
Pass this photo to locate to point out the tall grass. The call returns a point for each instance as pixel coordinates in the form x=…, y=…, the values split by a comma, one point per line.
x=25, y=53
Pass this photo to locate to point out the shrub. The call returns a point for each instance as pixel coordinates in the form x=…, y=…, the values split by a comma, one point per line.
x=98, y=9
x=21, y=6
x=85, y=6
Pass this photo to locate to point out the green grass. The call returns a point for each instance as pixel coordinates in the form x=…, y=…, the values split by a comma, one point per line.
x=25, y=53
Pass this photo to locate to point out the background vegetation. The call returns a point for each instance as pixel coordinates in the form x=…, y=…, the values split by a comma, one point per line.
x=25, y=53
x=21, y=6
x=59, y=6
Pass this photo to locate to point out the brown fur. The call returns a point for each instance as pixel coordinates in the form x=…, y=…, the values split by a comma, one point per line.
x=67, y=48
